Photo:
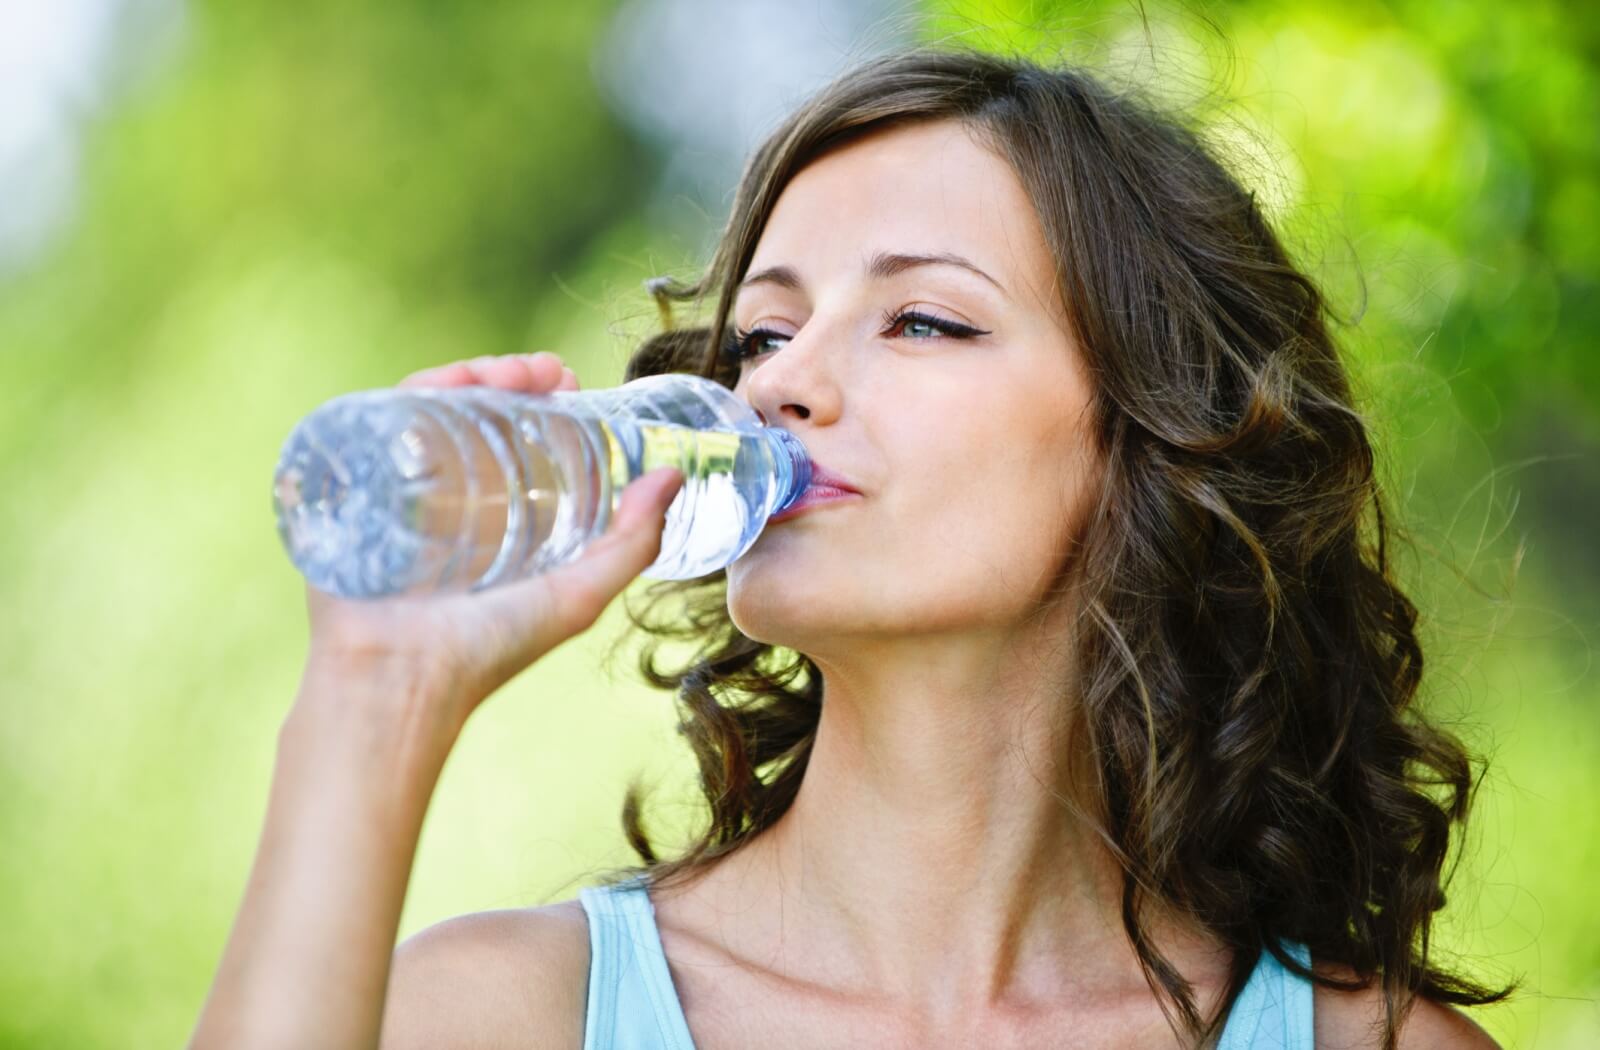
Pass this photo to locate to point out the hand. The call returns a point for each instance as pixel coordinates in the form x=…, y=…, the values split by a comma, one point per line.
x=456, y=649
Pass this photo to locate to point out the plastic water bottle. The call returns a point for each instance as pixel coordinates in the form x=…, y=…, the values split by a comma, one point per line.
x=411, y=491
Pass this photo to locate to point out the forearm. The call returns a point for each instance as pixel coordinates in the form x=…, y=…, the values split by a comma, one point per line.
x=307, y=961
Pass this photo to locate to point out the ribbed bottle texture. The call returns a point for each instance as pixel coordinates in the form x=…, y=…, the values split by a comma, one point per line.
x=411, y=491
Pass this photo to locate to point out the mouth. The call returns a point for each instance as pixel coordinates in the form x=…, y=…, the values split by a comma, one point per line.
x=823, y=478
x=817, y=495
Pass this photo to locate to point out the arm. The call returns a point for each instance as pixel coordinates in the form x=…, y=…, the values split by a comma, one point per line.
x=1437, y=1026
x=493, y=979
x=307, y=961
x=1355, y=1019
x=388, y=686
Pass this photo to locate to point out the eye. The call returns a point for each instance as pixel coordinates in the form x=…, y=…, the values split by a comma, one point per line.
x=913, y=324
x=752, y=343
x=914, y=320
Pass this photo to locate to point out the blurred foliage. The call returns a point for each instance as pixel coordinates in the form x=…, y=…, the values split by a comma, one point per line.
x=1454, y=143
x=317, y=199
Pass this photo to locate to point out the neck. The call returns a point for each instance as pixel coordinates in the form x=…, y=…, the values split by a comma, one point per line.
x=931, y=854
x=936, y=843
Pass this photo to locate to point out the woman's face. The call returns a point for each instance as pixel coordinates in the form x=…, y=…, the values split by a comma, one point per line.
x=972, y=453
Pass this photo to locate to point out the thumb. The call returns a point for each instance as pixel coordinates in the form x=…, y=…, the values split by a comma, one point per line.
x=631, y=543
x=643, y=506
x=531, y=617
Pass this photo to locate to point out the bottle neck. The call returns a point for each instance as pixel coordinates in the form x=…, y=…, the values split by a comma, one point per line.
x=793, y=466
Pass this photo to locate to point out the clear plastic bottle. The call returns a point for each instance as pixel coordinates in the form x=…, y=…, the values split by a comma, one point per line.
x=412, y=491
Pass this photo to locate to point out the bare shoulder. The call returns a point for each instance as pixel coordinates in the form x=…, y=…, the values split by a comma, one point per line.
x=511, y=978
x=1352, y=1020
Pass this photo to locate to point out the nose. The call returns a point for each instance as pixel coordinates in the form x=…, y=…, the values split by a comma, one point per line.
x=795, y=383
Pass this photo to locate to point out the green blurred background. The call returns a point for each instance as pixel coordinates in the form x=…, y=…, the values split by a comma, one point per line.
x=214, y=217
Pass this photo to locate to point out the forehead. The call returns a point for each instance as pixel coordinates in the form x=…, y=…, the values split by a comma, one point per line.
x=927, y=187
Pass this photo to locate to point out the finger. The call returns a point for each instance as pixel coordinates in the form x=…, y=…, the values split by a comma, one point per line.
x=630, y=544
x=455, y=374
x=536, y=615
x=545, y=369
x=508, y=373
x=644, y=503
x=529, y=373
x=569, y=379
x=526, y=373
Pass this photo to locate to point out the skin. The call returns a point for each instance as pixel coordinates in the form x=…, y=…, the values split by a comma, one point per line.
x=386, y=689
x=928, y=887
x=941, y=686
x=927, y=856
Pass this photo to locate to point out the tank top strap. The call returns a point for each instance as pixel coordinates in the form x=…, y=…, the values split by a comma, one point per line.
x=1274, y=1009
x=632, y=1003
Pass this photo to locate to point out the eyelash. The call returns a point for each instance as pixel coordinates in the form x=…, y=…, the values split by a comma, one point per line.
x=739, y=347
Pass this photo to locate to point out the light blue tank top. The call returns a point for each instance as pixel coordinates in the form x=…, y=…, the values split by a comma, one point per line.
x=632, y=1004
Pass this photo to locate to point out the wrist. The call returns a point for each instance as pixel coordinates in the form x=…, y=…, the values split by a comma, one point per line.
x=374, y=712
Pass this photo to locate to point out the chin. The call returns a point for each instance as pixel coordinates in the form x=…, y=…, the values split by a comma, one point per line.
x=779, y=608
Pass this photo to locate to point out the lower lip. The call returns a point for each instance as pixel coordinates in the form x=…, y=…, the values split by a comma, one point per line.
x=818, y=496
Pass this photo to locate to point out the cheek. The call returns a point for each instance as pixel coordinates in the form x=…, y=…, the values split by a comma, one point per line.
x=984, y=517
x=991, y=523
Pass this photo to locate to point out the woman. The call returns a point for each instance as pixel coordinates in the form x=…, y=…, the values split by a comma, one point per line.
x=1079, y=719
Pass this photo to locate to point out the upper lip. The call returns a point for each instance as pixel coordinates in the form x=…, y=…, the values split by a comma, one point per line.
x=822, y=476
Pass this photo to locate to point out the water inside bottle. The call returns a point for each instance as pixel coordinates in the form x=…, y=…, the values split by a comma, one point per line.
x=460, y=499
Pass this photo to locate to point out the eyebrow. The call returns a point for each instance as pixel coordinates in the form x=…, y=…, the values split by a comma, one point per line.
x=882, y=265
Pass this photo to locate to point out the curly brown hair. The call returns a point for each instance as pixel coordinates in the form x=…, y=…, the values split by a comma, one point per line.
x=1249, y=663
